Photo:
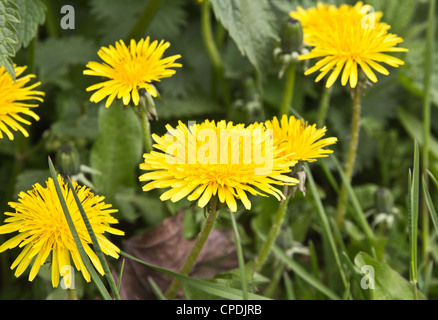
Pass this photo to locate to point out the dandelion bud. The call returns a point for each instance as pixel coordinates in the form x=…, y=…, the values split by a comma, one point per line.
x=68, y=160
x=291, y=36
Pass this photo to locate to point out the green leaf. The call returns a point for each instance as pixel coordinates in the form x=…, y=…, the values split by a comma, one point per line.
x=412, y=73
x=54, y=57
x=414, y=127
x=33, y=14
x=117, y=149
x=193, y=105
x=251, y=24
x=9, y=16
x=96, y=245
x=76, y=238
x=119, y=18
x=396, y=13
x=388, y=284
x=208, y=286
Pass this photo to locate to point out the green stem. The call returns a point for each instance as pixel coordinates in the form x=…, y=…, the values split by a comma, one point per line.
x=240, y=257
x=145, y=19
x=428, y=67
x=146, y=129
x=196, y=250
x=323, y=106
x=71, y=294
x=351, y=156
x=52, y=22
x=288, y=90
x=213, y=51
x=273, y=233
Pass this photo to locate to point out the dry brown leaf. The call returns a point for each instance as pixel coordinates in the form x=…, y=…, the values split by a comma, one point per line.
x=165, y=246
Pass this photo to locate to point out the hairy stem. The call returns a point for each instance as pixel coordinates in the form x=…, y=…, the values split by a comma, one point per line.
x=196, y=250
x=351, y=156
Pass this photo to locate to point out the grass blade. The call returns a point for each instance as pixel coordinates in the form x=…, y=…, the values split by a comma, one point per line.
x=359, y=214
x=413, y=214
x=240, y=257
x=156, y=289
x=96, y=245
x=207, y=286
x=325, y=224
x=303, y=274
x=430, y=206
x=100, y=286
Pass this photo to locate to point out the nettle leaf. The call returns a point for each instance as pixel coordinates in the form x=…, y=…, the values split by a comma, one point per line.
x=54, y=57
x=117, y=150
x=119, y=18
x=33, y=14
x=9, y=16
x=251, y=24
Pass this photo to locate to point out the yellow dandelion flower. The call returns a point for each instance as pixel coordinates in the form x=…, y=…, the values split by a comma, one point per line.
x=345, y=39
x=130, y=69
x=302, y=142
x=223, y=159
x=43, y=229
x=13, y=101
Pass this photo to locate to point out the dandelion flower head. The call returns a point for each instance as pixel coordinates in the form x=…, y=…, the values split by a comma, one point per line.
x=216, y=159
x=130, y=69
x=14, y=101
x=347, y=39
x=302, y=142
x=43, y=230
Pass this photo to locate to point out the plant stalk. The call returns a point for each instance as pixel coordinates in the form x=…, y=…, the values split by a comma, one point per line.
x=288, y=90
x=146, y=129
x=196, y=250
x=213, y=52
x=145, y=19
x=273, y=233
x=351, y=156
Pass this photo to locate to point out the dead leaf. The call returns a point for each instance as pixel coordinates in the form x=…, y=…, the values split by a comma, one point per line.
x=165, y=246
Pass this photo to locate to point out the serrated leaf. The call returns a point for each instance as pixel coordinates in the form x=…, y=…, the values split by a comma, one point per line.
x=9, y=16
x=33, y=14
x=251, y=24
x=119, y=18
x=117, y=149
x=54, y=57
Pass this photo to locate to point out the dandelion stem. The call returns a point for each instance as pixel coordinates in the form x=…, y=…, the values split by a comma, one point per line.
x=71, y=294
x=196, y=250
x=145, y=19
x=351, y=156
x=288, y=90
x=146, y=129
x=323, y=106
x=273, y=232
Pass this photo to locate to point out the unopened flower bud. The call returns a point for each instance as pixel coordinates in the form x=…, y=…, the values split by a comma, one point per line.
x=291, y=36
x=67, y=159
